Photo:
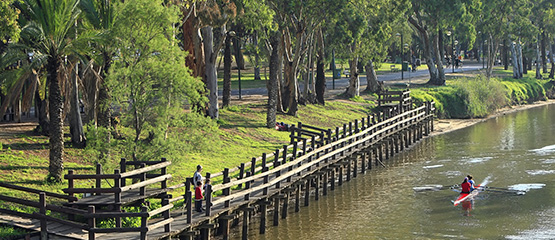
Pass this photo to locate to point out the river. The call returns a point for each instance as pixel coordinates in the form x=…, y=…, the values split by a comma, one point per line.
x=516, y=148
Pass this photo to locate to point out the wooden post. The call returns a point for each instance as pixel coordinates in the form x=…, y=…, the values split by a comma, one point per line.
x=226, y=191
x=355, y=167
x=224, y=225
x=284, y=154
x=307, y=192
x=165, y=202
x=42, y=211
x=164, y=171
x=276, y=158
x=332, y=179
x=92, y=224
x=208, y=199
x=245, y=232
x=264, y=167
x=285, y=206
x=325, y=183
x=117, y=196
x=356, y=126
x=98, y=180
x=349, y=166
x=263, y=216
x=276, y=211
x=265, y=190
x=70, y=184
x=123, y=169
x=340, y=175
x=241, y=174
x=337, y=136
x=363, y=162
x=304, y=146
x=298, y=198
x=247, y=186
x=295, y=147
x=144, y=227
x=253, y=166
x=317, y=188
x=362, y=126
x=344, y=130
x=188, y=199
x=143, y=178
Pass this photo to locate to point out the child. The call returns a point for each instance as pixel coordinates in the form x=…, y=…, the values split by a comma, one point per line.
x=472, y=184
x=198, y=197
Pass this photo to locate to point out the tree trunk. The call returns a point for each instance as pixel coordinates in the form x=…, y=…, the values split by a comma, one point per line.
x=291, y=85
x=256, y=57
x=525, y=62
x=41, y=105
x=239, y=58
x=353, y=89
x=371, y=78
x=514, y=54
x=519, y=59
x=320, y=85
x=440, y=78
x=210, y=72
x=430, y=53
x=308, y=76
x=226, y=98
x=505, y=55
x=189, y=35
x=538, y=59
x=56, y=107
x=543, y=52
x=552, y=72
x=273, y=82
x=76, y=124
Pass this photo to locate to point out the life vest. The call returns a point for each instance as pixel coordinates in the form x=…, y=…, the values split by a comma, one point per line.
x=465, y=187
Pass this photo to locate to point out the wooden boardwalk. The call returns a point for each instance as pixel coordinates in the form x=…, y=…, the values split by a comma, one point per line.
x=316, y=162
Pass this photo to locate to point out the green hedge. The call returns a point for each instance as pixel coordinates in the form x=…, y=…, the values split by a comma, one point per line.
x=478, y=97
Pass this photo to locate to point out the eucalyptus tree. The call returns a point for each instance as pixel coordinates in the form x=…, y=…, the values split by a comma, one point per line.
x=9, y=28
x=362, y=33
x=49, y=27
x=297, y=20
x=432, y=18
x=149, y=81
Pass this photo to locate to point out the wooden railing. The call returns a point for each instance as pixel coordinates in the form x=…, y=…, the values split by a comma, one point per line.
x=343, y=140
x=401, y=99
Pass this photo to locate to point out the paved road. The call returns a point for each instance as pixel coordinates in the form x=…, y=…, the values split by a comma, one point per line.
x=342, y=83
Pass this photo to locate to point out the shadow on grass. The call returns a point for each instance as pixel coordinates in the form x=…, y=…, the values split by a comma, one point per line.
x=26, y=146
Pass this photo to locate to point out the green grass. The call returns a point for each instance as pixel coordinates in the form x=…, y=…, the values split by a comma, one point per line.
x=7, y=232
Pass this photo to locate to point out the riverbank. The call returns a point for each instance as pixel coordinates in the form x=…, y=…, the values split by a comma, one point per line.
x=442, y=126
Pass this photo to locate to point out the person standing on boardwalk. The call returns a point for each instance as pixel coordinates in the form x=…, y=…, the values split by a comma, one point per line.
x=197, y=177
x=198, y=197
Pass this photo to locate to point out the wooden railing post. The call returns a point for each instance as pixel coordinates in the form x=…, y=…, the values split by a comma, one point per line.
x=295, y=146
x=165, y=202
x=284, y=154
x=276, y=158
x=142, y=190
x=253, y=165
x=226, y=191
x=117, y=196
x=247, y=186
x=304, y=146
x=98, y=180
x=42, y=211
x=188, y=199
x=208, y=200
x=164, y=171
x=264, y=167
x=241, y=174
x=144, y=226
x=92, y=223
x=70, y=184
x=123, y=169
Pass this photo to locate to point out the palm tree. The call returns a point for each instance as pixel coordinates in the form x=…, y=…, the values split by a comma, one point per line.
x=49, y=27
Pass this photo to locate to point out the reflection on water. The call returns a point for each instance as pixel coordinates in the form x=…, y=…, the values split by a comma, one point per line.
x=381, y=204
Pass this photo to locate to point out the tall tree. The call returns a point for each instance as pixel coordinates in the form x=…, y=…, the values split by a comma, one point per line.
x=50, y=24
x=149, y=77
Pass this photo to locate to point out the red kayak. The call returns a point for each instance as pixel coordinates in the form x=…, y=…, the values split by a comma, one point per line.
x=464, y=196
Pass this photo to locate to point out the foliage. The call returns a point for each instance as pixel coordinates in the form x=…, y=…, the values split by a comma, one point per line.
x=150, y=83
x=10, y=232
x=9, y=29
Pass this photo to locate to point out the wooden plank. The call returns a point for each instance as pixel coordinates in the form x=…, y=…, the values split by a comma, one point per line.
x=146, y=169
x=160, y=210
x=146, y=183
x=92, y=176
x=37, y=191
x=159, y=224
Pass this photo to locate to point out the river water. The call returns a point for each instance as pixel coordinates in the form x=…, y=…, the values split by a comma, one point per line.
x=517, y=148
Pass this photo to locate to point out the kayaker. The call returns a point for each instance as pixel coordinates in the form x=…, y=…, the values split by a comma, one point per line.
x=472, y=184
x=465, y=185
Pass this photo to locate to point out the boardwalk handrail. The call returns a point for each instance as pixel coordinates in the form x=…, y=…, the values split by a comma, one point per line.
x=369, y=133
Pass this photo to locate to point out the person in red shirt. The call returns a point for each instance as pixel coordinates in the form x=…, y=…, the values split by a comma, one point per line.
x=198, y=197
x=466, y=186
